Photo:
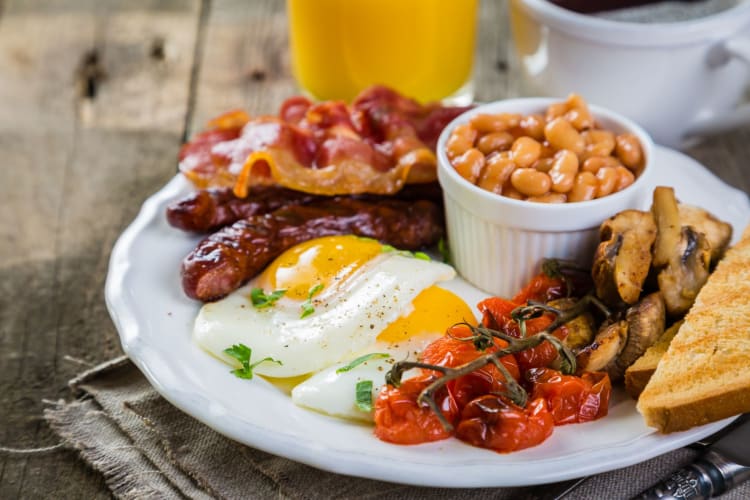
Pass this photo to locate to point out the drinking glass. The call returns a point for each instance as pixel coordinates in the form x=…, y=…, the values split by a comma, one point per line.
x=422, y=48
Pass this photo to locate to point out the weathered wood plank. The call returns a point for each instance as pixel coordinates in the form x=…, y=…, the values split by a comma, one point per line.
x=93, y=101
x=246, y=63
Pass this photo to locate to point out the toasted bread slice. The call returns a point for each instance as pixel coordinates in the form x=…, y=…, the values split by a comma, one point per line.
x=705, y=374
x=638, y=374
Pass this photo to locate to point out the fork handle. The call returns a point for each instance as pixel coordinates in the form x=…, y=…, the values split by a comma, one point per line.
x=707, y=477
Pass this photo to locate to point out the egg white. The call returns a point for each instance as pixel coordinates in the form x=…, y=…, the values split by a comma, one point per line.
x=335, y=393
x=347, y=319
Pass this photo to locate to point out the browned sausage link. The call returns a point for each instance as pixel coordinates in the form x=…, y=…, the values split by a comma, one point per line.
x=208, y=210
x=211, y=209
x=430, y=191
x=228, y=258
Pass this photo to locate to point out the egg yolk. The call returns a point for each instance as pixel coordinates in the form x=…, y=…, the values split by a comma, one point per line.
x=321, y=261
x=433, y=311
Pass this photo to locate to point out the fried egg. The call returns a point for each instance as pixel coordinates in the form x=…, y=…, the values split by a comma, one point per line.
x=340, y=295
x=333, y=390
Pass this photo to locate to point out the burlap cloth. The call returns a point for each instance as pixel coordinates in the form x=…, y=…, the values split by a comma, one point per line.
x=146, y=448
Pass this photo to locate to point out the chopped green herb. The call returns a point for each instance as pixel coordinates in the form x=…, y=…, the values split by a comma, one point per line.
x=307, y=307
x=443, y=249
x=243, y=353
x=421, y=256
x=364, y=395
x=261, y=300
x=405, y=253
x=362, y=359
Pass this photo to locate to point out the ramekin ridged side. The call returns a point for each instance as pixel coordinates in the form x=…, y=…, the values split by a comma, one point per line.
x=500, y=259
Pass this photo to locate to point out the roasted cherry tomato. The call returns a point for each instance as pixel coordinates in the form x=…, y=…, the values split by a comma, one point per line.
x=452, y=351
x=496, y=314
x=400, y=419
x=490, y=421
x=571, y=399
x=541, y=288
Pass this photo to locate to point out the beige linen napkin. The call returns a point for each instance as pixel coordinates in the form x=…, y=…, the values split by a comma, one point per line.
x=147, y=448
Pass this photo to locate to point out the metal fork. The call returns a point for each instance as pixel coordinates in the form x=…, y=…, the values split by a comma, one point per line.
x=558, y=491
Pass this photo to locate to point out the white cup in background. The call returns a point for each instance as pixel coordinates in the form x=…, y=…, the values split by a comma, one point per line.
x=678, y=80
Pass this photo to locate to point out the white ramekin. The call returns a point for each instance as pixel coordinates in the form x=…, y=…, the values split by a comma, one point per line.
x=497, y=243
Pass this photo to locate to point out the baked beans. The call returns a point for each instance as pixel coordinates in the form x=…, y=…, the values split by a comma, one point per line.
x=496, y=172
x=530, y=182
x=525, y=151
x=495, y=141
x=558, y=155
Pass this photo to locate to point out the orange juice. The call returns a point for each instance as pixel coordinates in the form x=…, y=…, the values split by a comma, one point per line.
x=422, y=48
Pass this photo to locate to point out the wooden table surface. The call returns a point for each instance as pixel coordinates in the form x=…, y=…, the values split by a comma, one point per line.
x=96, y=98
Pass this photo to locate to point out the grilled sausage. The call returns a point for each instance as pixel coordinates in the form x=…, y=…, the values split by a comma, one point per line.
x=228, y=258
x=211, y=209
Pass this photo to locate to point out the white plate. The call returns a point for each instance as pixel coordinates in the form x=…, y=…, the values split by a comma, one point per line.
x=154, y=320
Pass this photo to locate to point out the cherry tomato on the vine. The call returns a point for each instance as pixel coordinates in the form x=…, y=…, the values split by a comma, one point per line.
x=572, y=399
x=400, y=419
x=491, y=421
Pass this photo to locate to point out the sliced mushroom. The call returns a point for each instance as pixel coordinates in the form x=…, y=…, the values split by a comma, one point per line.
x=683, y=252
x=623, y=257
x=668, y=225
x=686, y=273
x=645, y=324
x=606, y=347
x=717, y=233
x=580, y=329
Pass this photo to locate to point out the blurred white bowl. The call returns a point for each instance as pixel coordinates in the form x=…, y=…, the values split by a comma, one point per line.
x=497, y=243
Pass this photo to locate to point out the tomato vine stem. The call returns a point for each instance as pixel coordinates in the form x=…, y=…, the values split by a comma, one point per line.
x=482, y=337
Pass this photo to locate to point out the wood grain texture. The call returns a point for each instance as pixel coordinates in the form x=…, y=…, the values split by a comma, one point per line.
x=245, y=62
x=95, y=98
x=92, y=117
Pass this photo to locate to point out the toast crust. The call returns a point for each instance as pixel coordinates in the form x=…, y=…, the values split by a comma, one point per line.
x=704, y=375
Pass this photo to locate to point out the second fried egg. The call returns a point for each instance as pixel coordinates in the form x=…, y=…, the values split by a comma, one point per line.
x=328, y=300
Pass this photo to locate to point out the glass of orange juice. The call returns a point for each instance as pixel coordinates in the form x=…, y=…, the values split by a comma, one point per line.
x=422, y=48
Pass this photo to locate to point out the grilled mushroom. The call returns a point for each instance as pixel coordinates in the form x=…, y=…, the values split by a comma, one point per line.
x=686, y=273
x=623, y=257
x=606, y=347
x=717, y=233
x=580, y=329
x=667, y=219
x=682, y=252
x=645, y=322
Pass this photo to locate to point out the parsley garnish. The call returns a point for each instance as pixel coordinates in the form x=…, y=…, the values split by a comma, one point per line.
x=361, y=360
x=307, y=307
x=364, y=395
x=404, y=253
x=444, y=252
x=242, y=353
x=261, y=300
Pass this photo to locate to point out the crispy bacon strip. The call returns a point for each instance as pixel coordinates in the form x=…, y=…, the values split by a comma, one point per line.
x=228, y=258
x=376, y=145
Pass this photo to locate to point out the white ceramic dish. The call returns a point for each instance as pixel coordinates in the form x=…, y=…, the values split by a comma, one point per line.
x=154, y=320
x=496, y=242
x=676, y=79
